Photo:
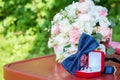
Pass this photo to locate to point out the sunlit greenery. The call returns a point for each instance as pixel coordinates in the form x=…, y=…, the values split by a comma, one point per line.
x=25, y=24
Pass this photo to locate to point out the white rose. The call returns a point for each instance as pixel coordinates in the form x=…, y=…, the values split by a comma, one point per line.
x=88, y=29
x=101, y=47
x=95, y=13
x=65, y=26
x=87, y=18
x=64, y=22
x=69, y=51
x=65, y=29
x=78, y=24
x=71, y=11
x=90, y=2
x=104, y=22
x=98, y=11
x=84, y=17
x=61, y=39
x=85, y=6
x=72, y=49
x=101, y=11
x=58, y=51
x=57, y=17
x=52, y=29
x=50, y=43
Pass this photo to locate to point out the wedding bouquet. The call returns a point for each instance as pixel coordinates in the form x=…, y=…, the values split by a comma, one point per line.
x=75, y=19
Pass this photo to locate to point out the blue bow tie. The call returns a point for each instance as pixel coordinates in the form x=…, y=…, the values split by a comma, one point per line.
x=86, y=44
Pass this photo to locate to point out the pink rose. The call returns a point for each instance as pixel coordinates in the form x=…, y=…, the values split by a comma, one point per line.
x=84, y=60
x=116, y=46
x=74, y=35
x=105, y=31
x=103, y=13
x=81, y=0
x=56, y=29
x=55, y=48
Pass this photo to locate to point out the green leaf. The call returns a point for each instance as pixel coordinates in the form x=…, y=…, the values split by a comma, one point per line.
x=67, y=46
x=98, y=36
x=110, y=50
x=98, y=40
x=112, y=24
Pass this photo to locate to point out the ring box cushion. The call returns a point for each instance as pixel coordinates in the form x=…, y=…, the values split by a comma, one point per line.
x=95, y=63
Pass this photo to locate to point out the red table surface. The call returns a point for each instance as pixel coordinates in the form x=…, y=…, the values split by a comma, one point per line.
x=46, y=68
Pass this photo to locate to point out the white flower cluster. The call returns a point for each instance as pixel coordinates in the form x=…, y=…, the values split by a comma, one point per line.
x=70, y=23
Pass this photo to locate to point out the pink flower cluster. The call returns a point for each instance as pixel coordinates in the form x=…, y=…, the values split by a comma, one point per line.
x=84, y=60
x=74, y=35
x=56, y=29
x=105, y=31
x=103, y=13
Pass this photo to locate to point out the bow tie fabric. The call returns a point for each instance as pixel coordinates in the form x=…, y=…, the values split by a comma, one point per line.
x=86, y=44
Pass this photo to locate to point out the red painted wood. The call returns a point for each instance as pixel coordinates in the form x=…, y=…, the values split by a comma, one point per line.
x=46, y=68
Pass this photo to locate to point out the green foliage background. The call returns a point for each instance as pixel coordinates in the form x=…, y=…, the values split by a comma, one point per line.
x=25, y=24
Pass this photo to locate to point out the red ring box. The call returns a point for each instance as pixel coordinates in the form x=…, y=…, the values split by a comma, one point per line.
x=96, y=63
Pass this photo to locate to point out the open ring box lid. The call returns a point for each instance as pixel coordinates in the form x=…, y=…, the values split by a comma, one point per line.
x=95, y=62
